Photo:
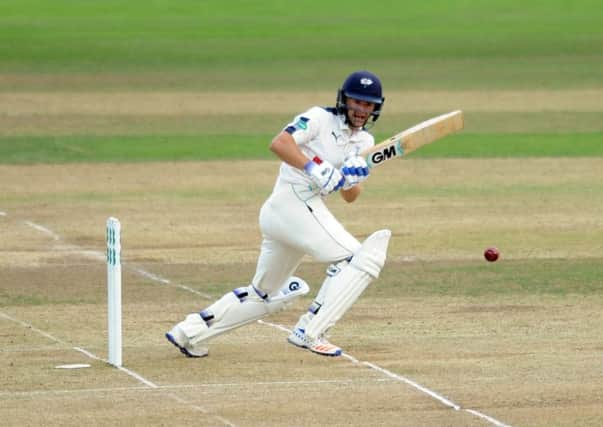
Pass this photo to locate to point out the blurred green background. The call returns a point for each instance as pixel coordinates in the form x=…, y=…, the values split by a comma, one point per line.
x=437, y=48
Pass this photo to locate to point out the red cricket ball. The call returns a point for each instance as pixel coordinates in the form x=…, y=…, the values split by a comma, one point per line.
x=491, y=254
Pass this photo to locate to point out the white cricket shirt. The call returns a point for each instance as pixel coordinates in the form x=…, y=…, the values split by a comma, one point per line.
x=322, y=132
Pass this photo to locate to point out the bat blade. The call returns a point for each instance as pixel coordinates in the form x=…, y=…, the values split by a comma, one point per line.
x=413, y=138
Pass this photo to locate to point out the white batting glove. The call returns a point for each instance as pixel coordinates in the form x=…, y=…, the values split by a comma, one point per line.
x=324, y=175
x=354, y=170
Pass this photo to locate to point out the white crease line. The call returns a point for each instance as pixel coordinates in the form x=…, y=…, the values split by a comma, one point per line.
x=43, y=229
x=79, y=349
x=137, y=376
x=129, y=372
x=201, y=409
x=73, y=391
x=487, y=418
x=414, y=385
x=121, y=368
x=101, y=256
x=164, y=281
x=151, y=276
x=2, y=213
x=392, y=375
x=194, y=291
x=385, y=372
x=181, y=387
x=407, y=381
x=33, y=328
x=274, y=325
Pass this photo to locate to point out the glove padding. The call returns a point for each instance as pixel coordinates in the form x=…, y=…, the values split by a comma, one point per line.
x=354, y=170
x=324, y=175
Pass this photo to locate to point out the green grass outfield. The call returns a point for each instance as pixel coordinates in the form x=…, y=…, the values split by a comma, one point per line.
x=191, y=46
x=217, y=45
x=28, y=150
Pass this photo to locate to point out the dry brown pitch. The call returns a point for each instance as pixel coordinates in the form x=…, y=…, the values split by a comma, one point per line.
x=516, y=342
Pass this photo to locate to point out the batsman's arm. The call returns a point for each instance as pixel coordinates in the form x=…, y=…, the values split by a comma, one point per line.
x=284, y=146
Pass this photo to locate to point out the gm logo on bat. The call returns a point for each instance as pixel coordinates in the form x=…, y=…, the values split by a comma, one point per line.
x=387, y=153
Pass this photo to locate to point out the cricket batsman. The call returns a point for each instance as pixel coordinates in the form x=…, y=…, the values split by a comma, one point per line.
x=319, y=152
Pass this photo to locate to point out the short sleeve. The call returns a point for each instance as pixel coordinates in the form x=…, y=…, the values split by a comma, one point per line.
x=305, y=127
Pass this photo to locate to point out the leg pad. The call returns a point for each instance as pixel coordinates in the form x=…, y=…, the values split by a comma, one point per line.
x=346, y=286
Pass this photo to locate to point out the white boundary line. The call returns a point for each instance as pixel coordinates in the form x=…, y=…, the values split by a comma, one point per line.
x=384, y=371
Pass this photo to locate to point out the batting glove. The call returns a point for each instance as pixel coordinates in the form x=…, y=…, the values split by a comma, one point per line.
x=324, y=175
x=354, y=170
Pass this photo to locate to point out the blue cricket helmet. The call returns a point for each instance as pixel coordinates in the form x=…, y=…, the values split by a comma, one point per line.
x=363, y=86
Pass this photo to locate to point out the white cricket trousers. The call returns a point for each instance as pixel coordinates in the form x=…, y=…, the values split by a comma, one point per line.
x=292, y=228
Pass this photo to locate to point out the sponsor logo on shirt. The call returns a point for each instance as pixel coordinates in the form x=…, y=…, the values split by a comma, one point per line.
x=302, y=123
x=335, y=136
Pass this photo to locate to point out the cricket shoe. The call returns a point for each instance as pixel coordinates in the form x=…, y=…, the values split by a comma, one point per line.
x=177, y=337
x=319, y=346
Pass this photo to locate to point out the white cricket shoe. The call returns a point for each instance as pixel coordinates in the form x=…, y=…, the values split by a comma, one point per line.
x=320, y=345
x=177, y=337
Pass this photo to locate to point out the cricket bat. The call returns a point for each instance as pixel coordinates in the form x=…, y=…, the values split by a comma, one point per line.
x=413, y=138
